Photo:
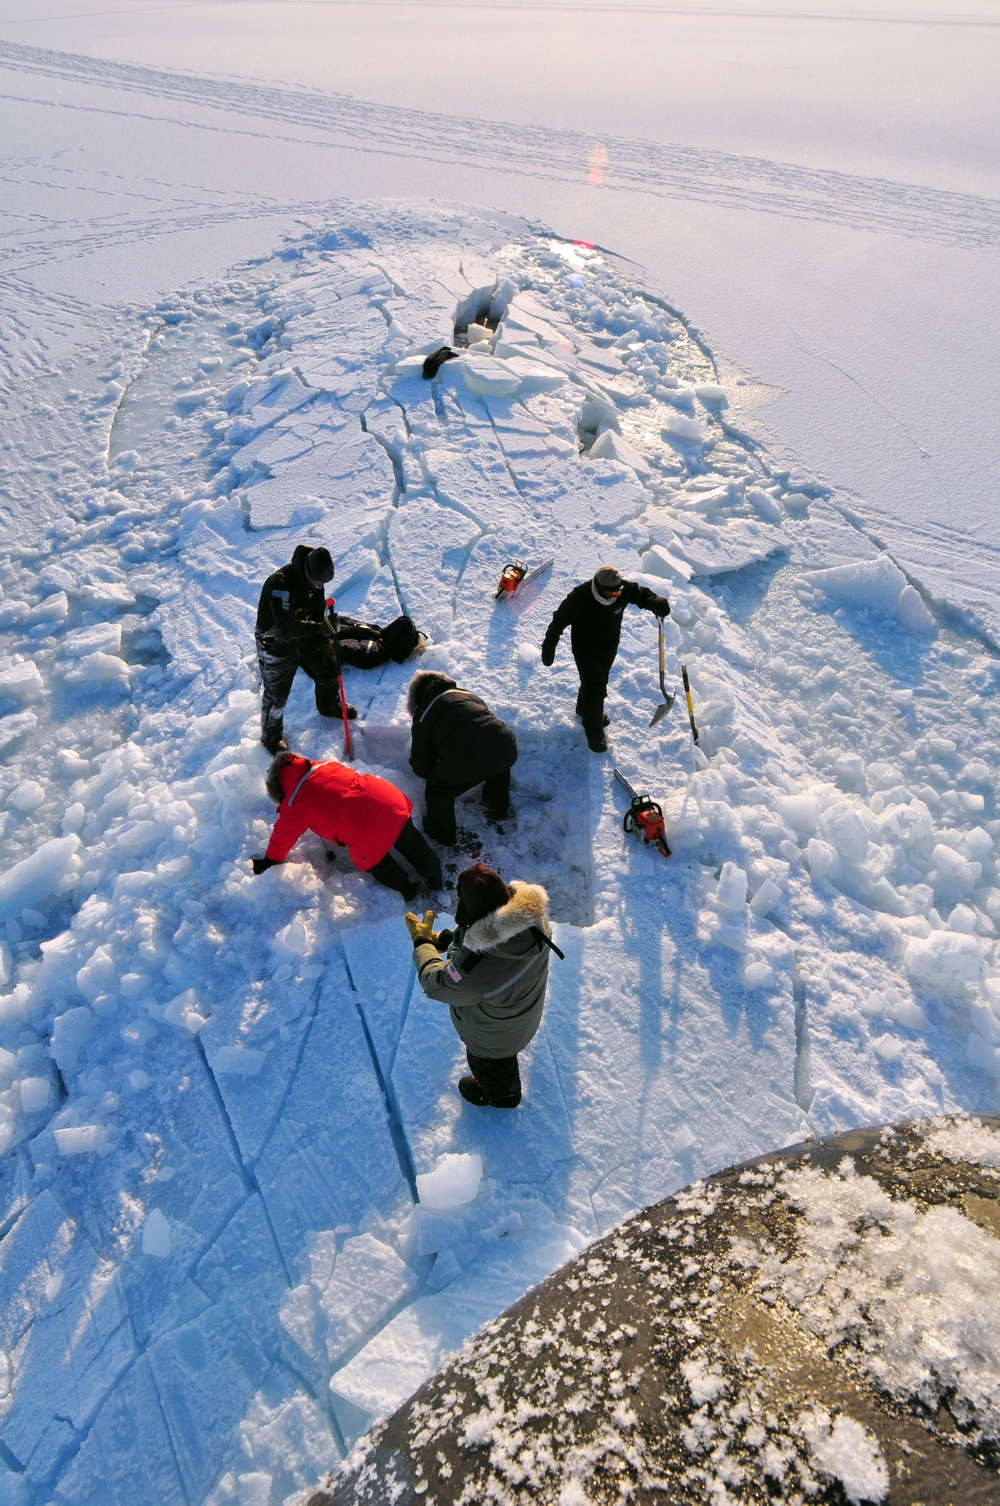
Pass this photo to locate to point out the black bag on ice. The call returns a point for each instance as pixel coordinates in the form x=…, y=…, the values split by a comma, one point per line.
x=363, y=645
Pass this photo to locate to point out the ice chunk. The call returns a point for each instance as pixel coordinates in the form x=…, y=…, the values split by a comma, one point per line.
x=255, y=1489
x=659, y=561
x=912, y=615
x=766, y=898
x=945, y=958
x=79, y=1139
x=888, y=1047
x=184, y=1010
x=435, y=1231
x=876, y=585
x=822, y=858
x=54, y=608
x=843, y=829
x=97, y=669
x=454, y=1181
x=19, y=680
x=444, y=1271
x=952, y=875
x=156, y=1235
x=763, y=504
x=34, y=1093
x=11, y=727
x=97, y=975
x=679, y=426
x=73, y=818
x=368, y=1280
x=103, y=637
x=909, y=1013
x=611, y=446
x=731, y=892
x=485, y=376
x=801, y=812
x=70, y=1033
x=28, y=796
x=36, y=877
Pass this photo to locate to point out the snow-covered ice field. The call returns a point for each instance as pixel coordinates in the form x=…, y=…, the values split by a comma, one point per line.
x=218, y=1090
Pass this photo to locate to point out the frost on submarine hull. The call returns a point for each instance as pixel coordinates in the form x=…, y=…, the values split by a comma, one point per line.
x=821, y=1324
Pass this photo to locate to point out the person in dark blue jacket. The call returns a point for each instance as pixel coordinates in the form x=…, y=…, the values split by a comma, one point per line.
x=456, y=744
x=593, y=613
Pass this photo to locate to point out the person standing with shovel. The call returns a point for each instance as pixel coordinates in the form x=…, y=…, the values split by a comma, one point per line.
x=593, y=613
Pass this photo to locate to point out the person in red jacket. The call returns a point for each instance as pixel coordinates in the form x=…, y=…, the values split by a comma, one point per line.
x=361, y=812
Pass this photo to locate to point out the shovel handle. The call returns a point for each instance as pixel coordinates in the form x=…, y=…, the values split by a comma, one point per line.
x=687, y=695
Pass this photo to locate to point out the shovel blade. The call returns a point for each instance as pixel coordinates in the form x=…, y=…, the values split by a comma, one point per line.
x=661, y=711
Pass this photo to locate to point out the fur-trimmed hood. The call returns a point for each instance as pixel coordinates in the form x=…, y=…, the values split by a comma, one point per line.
x=425, y=685
x=528, y=906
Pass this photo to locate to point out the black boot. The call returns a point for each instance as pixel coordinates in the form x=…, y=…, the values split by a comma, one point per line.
x=273, y=740
x=596, y=741
x=473, y=1093
x=328, y=701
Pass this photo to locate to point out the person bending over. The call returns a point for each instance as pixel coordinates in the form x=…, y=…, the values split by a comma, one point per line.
x=292, y=633
x=457, y=743
x=361, y=812
x=593, y=613
x=493, y=977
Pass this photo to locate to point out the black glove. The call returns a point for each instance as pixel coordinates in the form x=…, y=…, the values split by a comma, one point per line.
x=661, y=607
x=444, y=940
x=260, y=865
x=548, y=654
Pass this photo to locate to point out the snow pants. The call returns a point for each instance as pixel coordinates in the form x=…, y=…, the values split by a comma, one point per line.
x=594, y=671
x=499, y=1078
x=409, y=855
x=441, y=797
x=278, y=663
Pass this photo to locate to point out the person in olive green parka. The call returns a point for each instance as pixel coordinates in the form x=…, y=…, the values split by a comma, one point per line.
x=493, y=977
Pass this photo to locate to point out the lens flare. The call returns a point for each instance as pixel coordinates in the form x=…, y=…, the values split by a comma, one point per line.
x=596, y=165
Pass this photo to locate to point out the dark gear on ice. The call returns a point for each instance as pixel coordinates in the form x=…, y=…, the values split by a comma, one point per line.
x=593, y=613
x=361, y=812
x=456, y=744
x=364, y=645
x=493, y=977
x=291, y=634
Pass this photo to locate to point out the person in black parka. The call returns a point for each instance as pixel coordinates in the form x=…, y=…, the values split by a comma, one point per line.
x=292, y=633
x=456, y=744
x=593, y=613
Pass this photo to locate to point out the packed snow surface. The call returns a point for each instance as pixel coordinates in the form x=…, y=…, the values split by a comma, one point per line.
x=245, y=1210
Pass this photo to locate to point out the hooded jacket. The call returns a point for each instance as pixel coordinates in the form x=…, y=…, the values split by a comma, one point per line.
x=494, y=976
x=596, y=626
x=456, y=739
x=291, y=608
x=361, y=812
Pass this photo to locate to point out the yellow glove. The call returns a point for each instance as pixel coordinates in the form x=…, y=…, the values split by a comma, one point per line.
x=421, y=930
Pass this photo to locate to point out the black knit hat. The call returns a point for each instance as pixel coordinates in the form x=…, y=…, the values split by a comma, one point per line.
x=319, y=565
x=608, y=579
x=480, y=891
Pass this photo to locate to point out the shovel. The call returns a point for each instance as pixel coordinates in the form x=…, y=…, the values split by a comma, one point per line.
x=668, y=700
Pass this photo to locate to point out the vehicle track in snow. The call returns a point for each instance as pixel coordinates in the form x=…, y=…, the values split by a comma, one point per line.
x=665, y=170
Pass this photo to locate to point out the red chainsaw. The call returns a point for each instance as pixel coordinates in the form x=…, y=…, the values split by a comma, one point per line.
x=645, y=818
